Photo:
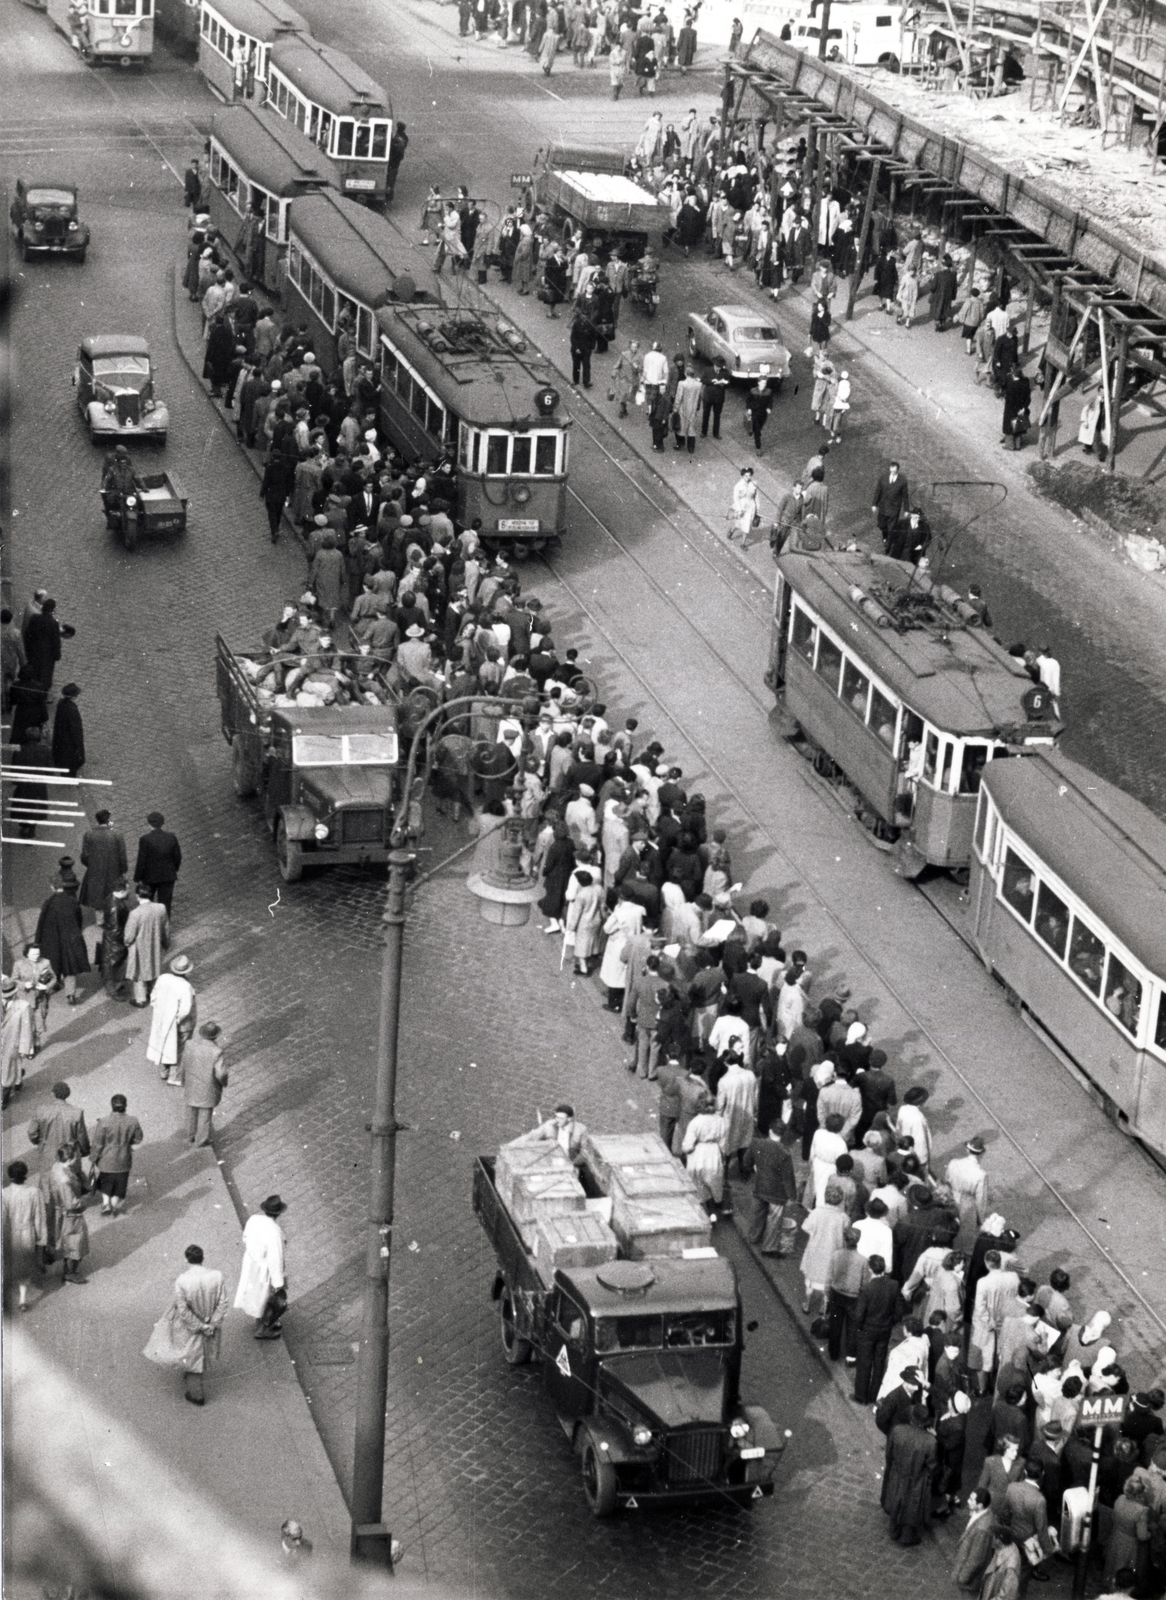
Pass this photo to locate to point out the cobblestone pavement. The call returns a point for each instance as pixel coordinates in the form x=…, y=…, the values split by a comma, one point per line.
x=482, y=1488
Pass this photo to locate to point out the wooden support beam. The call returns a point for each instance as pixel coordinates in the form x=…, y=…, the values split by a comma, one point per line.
x=1094, y=20
x=1105, y=375
x=1119, y=380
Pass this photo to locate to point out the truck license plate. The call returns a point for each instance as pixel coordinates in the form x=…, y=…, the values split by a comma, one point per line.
x=518, y=524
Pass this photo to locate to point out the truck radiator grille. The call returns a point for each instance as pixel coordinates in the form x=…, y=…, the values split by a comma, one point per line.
x=694, y=1456
x=128, y=410
x=363, y=827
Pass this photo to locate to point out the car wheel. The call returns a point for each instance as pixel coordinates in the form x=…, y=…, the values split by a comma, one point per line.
x=693, y=347
x=515, y=1348
x=599, y=1480
x=291, y=856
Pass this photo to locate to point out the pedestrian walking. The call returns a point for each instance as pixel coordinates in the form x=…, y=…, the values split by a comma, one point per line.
x=687, y=403
x=69, y=1232
x=1017, y=400
x=17, y=1035
x=943, y=288
x=449, y=240
x=890, y=500
x=886, y=280
x=824, y=375
x=103, y=855
x=825, y=1226
x=840, y=405
x=789, y=515
x=147, y=936
x=42, y=642
x=743, y=512
x=617, y=67
x=276, y=487
x=906, y=1493
x=970, y=314
x=703, y=1147
x=625, y=377
x=774, y=1188
x=188, y=1335
x=205, y=1077
x=36, y=981
x=159, y=858
x=968, y=1183
x=25, y=1232
x=712, y=399
x=68, y=732
x=112, y=1154
x=758, y=405
x=174, y=1006
x=908, y=295
x=58, y=930
x=819, y=327
x=875, y=1313
x=582, y=341
x=262, y=1291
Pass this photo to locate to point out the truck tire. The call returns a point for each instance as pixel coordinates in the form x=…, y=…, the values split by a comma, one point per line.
x=599, y=1480
x=515, y=1348
x=243, y=773
x=291, y=856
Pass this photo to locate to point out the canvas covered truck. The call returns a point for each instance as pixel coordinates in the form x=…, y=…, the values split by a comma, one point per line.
x=317, y=738
x=606, y=1273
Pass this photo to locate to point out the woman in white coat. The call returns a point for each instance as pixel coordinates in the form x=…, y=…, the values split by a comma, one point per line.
x=584, y=918
x=262, y=1291
x=620, y=928
x=744, y=507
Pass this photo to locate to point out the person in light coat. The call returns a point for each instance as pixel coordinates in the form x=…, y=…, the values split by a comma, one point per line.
x=147, y=935
x=825, y=1227
x=825, y=1148
x=624, y=923
x=737, y=1107
x=968, y=1183
x=173, y=1003
x=744, y=507
x=912, y=1124
x=584, y=919
x=262, y=1282
x=189, y=1334
x=687, y=405
x=703, y=1147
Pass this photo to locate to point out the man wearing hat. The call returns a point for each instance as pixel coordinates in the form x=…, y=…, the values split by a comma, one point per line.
x=174, y=1007
x=262, y=1291
x=68, y=733
x=968, y=1183
x=159, y=858
x=103, y=855
x=58, y=929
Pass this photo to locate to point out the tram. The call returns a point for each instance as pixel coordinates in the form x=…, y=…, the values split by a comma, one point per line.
x=258, y=165
x=895, y=692
x=1067, y=906
x=117, y=32
x=455, y=383
x=177, y=22
x=235, y=39
x=339, y=107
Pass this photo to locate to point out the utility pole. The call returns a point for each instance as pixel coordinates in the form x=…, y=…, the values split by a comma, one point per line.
x=825, y=29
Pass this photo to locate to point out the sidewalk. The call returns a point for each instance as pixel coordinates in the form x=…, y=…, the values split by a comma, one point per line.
x=253, y=1450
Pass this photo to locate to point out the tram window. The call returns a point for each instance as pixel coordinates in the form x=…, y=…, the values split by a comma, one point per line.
x=1052, y=920
x=125, y=8
x=363, y=132
x=206, y=22
x=388, y=367
x=293, y=262
x=931, y=757
x=420, y=402
x=380, y=141
x=364, y=330
x=981, y=827
x=945, y=776
x=314, y=123
x=829, y=662
x=1160, y=1030
x=316, y=294
x=274, y=231
x=1017, y=887
x=463, y=447
x=475, y=451
x=328, y=308
x=344, y=137
x=520, y=454
x=855, y=688
x=433, y=418
x=1123, y=995
x=882, y=718
x=801, y=636
x=975, y=758
x=546, y=450
x=1086, y=956
x=301, y=116
x=325, y=133
x=497, y=445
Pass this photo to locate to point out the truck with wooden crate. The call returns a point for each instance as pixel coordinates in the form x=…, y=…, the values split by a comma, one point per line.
x=317, y=738
x=590, y=189
x=607, y=1274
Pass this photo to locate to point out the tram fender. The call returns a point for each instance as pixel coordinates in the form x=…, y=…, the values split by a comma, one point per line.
x=907, y=861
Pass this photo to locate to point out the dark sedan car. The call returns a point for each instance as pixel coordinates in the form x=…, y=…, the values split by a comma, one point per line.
x=44, y=214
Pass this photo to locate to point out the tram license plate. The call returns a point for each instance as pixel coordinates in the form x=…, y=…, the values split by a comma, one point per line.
x=518, y=524
x=360, y=183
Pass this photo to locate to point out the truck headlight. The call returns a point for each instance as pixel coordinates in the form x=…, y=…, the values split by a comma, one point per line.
x=109, y=406
x=739, y=1429
x=641, y=1435
x=321, y=831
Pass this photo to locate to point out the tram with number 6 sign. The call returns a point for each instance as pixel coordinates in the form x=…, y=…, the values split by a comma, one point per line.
x=340, y=109
x=117, y=32
x=899, y=697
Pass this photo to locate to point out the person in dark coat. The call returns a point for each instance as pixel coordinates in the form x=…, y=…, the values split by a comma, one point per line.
x=774, y=1187
x=32, y=753
x=875, y=1313
x=58, y=930
x=925, y=1224
x=278, y=481
x=1004, y=355
x=68, y=733
x=159, y=858
x=557, y=869
x=943, y=287
x=886, y=280
x=28, y=702
x=890, y=501
x=1017, y=399
x=220, y=352
x=877, y=1089
x=583, y=340
x=906, y=1496
x=42, y=643
x=103, y=855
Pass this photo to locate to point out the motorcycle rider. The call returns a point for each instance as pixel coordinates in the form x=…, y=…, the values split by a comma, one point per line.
x=117, y=480
x=646, y=276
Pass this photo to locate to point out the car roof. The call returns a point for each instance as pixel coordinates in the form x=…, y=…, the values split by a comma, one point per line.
x=741, y=313
x=41, y=181
x=115, y=344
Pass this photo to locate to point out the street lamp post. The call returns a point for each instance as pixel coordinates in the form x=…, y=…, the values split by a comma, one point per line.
x=371, y=1540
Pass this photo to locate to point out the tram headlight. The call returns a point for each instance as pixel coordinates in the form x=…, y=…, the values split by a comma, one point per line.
x=520, y=493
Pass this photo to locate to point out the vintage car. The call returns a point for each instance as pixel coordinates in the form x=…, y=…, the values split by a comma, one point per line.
x=44, y=214
x=114, y=378
x=748, y=344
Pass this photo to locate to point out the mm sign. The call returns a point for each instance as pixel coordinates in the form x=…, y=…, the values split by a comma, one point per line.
x=1102, y=1408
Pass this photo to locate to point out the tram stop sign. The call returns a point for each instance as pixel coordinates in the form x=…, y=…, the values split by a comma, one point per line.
x=1100, y=1409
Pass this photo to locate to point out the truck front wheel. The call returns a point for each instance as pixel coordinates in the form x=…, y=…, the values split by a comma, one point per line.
x=515, y=1348
x=599, y=1480
x=290, y=854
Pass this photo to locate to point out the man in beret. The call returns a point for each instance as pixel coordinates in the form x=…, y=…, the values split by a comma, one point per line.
x=159, y=858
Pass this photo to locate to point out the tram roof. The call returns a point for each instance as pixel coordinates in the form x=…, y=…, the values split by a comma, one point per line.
x=264, y=20
x=462, y=351
x=348, y=240
x=271, y=151
x=956, y=676
x=328, y=77
x=1101, y=842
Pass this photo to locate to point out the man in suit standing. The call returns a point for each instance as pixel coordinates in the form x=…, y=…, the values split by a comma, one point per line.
x=875, y=1313
x=204, y=1075
x=890, y=500
x=159, y=858
x=103, y=855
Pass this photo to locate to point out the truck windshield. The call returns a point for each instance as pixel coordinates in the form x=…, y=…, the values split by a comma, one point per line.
x=677, y=1331
x=345, y=749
